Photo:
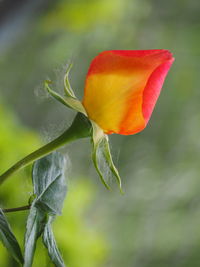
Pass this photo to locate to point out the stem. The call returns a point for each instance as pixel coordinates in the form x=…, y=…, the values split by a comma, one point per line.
x=17, y=209
x=80, y=128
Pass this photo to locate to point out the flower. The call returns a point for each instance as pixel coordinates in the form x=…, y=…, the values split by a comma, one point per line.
x=121, y=90
x=122, y=87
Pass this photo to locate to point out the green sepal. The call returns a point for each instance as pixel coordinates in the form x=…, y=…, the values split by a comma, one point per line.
x=102, y=157
x=69, y=101
x=67, y=87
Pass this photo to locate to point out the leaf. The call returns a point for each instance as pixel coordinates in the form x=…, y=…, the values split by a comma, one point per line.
x=34, y=228
x=50, y=190
x=102, y=157
x=49, y=182
x=68, y=100
x=50, y=243
x=9, y=240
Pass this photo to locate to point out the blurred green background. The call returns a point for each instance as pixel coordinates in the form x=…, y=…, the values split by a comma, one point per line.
x=157, y=222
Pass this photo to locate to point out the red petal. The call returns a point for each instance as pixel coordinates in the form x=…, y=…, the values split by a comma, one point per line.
x=153, y=88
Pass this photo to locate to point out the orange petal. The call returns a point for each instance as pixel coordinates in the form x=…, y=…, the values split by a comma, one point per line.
x=122, y=87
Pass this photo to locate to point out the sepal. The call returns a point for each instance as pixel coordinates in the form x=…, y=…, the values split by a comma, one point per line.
x=67, y=87
x=69, y=101
x=102, y=158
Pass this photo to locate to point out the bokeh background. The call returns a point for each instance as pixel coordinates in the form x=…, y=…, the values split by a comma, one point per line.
x=156, y=223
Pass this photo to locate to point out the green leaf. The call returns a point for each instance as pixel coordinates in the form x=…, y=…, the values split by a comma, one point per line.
x=49, y=182
x=50, y=190
x=34, y=228
x=50, y=243
x=102, y=157
x=68, y=100
x=9, y=240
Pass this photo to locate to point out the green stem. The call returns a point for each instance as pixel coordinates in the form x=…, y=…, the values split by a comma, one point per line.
x=80, y=128
x=17, y=209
